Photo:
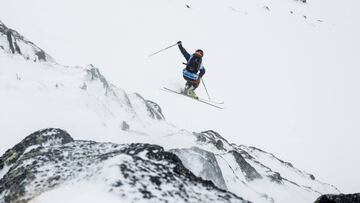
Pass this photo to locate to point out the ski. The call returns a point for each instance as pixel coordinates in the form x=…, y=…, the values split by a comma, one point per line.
x=206, y=100
x=200, y=100
x=213, y=102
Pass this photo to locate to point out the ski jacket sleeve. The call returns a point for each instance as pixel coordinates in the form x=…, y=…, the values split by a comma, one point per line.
x=184, y=52
x=202, y=71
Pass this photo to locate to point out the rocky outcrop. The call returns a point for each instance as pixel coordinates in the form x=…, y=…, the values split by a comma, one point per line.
x=47, y=137
x=94, y=74
x=15, y=43
x=203, y=164
x=138, y=104
x=342, y=198
x=146, y=108
x=50, y=158
x=243, y=168
x=284, y=163
x=213, y=138
x=249, y=171
x=154, y=110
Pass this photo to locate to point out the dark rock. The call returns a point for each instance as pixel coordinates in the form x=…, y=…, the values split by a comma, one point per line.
x=10, y=40
x=341, y=198
x=49, y=136
x=276, y=177
x=155, y=180
x=41, y=55
x=249, y=171
x=213, y=138
x=17, y=48
x=219, y=145
x=117, y=184
x=155, y=110
x=124, y=126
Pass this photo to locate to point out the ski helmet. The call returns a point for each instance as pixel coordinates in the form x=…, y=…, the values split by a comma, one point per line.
x=201, y=52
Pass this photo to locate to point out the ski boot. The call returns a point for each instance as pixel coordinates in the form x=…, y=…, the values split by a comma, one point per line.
x=185, y=90
x=189, y=91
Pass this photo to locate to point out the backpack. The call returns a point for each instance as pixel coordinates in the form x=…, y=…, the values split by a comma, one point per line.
x=194, y=64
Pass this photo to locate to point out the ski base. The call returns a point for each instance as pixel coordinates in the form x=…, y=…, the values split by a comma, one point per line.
x=200, y=100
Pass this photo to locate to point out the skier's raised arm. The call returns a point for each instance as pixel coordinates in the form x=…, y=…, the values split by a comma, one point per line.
x=183, y=51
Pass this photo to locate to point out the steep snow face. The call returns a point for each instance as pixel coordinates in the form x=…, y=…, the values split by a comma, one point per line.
x=50, y=158
x=82, y=101
x=39, y=95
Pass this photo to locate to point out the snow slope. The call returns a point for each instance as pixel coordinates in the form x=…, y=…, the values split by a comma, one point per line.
x=37, y=95
x=287, y=70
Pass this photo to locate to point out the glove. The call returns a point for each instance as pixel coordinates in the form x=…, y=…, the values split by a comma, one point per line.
x=179, y=43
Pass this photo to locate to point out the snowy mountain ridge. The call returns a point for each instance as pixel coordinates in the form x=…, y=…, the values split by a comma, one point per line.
x=13, y=42
x=82, y=102
x=139, y=172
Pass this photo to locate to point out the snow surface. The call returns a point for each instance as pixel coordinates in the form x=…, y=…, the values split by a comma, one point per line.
x=86, y=192
x=55, y=95
x=289, y=82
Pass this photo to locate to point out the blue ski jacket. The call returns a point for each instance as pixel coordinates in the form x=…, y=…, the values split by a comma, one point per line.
x=193, y=65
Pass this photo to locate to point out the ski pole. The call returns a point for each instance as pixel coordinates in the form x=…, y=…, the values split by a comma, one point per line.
x=205, y=89
x=163, y=50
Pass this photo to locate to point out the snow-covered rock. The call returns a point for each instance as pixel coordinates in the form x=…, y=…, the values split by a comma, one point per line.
x=13, y=42
x=203, y=164
x=49, y=159
x=257, y=175
x=342, y=198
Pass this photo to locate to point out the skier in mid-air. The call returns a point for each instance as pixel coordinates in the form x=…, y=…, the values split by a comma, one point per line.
x=190, y=72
